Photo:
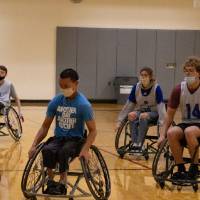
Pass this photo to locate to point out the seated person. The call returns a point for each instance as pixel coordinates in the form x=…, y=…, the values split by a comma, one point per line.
x=185, y=96
x=7, y=91
x=144, y=105
x=71, y=110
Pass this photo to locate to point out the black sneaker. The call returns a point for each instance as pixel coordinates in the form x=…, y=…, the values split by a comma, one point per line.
x=193, y=171
x=51, y=185
x=135, y=147
x=60, y=189
x=179, y=176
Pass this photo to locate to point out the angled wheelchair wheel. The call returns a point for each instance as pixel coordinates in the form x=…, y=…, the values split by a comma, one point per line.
x=13, y=123
x=33, y=175
x=97, y=175
x=163, y=163
x=123, y=138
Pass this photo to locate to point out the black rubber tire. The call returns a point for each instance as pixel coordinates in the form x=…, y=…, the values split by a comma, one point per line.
x=12, y=132
x=162, y=184
x=27, y=171
x=157, y=156
x=195, y=187
x=33, y=198
x=90, y=179
x=146, y=156
x=120, y=133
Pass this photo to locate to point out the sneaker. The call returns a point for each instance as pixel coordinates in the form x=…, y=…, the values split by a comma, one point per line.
x=51, y=184
x=133, y=146
x=179, y=176
x=60, y=189
x=136, y=147
x=193, y=171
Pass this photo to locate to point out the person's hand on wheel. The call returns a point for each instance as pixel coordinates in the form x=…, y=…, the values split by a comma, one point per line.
x=160, y=140
x=85, y=154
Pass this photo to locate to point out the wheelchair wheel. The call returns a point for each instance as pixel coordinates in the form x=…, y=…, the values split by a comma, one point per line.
x=195, y=187
x=146, y=154
x=163, y=163
x=13, y=123
x=123, y=138
x=33, y=175
x=96, y=175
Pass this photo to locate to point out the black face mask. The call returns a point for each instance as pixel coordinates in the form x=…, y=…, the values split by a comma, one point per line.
x=2, y=78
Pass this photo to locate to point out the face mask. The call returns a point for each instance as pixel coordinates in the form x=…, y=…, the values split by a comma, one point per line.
x=190, y=79
x=2, y=78
x=145, y=81
x=67, y=92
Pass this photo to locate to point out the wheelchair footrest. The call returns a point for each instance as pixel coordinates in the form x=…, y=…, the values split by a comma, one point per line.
x=61, y=196
x=151, y=137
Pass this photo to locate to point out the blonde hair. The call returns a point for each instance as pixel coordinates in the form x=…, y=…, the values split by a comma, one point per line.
x=192, y=61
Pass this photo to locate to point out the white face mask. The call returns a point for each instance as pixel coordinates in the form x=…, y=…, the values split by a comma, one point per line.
x=145, y=81
x=67, y=92
x=190, y=79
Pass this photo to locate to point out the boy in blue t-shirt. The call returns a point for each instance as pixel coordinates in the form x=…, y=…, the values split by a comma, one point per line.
x=71, y=110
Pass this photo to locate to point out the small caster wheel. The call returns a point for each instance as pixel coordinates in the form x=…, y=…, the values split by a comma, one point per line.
x=121, y=153
x=121, y=156
x=162, y=184
x=33, y=198
x=195, y=187
x=146, y=156
x=179, y=187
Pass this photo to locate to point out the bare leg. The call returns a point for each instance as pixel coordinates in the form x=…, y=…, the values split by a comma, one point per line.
x=63, y=178
x=174, y=135
x=191, y=134
x=50, y=173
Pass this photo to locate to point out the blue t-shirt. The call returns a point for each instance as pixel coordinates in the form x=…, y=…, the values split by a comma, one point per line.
x=159, y=94
x=71, y=115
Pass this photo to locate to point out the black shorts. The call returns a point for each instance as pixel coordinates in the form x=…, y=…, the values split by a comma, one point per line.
x=183, y=126
x=61, y=150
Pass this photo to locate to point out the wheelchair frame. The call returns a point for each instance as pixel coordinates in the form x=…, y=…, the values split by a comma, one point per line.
x=6, y=123
x=87, y=174
x=126, y=149
x=169, y=165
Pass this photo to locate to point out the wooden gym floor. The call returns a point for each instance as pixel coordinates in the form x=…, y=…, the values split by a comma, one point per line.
x=130, y=178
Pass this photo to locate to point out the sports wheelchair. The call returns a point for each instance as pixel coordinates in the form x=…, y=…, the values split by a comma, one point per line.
x=163, y=168
x=123, y=141
x=10, y=122
x=94, y=171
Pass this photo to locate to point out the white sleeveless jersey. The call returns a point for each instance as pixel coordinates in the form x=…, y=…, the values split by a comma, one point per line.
x=146, y=103
x=189, y=104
